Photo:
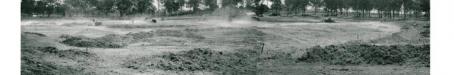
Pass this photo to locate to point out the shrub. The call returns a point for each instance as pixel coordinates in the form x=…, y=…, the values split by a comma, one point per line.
x=368, y=54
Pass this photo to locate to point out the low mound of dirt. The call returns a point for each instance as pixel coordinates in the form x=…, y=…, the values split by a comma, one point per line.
x=188, y=33
x=33, y=39
x=108, y=41
x=119, y=41
x=146, y=26
x=41, y=55
x=33, y=33
x=369, y=54
x=35, y=61
x=200, y=59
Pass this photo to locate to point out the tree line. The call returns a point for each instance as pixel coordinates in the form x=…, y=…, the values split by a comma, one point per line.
x=359, y=8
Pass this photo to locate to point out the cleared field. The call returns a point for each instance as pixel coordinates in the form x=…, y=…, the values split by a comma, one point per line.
x=171, y=36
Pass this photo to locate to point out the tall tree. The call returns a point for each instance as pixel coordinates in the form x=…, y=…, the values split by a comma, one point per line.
x=425, y=6
x=361, y=7
x=230, y=2
x=395, y=7
x=365, y=7
x=212, y=4
x=276, y=6
x=194, y=4
x=346, y=7
x=145, y=6
x=123, y=6
x=260, y=9
x=49, y=7
x=251, y=4
x=295, y=6
x=27, y=6
x=316, y=4
x=105, y=6
x=80, y=6
x=332, y=6
x=180, y=4
x=171, y=6
x=380, y=6
x=409, y=5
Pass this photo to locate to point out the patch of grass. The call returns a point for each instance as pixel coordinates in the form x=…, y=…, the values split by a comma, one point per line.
x=355, y=54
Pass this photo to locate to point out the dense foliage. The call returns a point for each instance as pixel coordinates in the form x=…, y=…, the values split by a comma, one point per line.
x=361, y=8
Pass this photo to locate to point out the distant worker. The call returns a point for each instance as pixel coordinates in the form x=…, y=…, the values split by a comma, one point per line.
x=152, y=20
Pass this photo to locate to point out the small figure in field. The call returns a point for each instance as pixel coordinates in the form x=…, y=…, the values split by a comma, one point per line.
x=96, y=23
x=152, y=20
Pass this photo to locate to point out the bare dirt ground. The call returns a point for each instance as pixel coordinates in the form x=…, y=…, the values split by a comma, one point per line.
x=291, y=37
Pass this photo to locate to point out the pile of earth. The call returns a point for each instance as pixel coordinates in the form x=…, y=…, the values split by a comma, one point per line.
x=37, y=59
x=119, y=41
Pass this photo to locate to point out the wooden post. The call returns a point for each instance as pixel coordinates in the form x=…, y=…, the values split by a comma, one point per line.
x=263, y=45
